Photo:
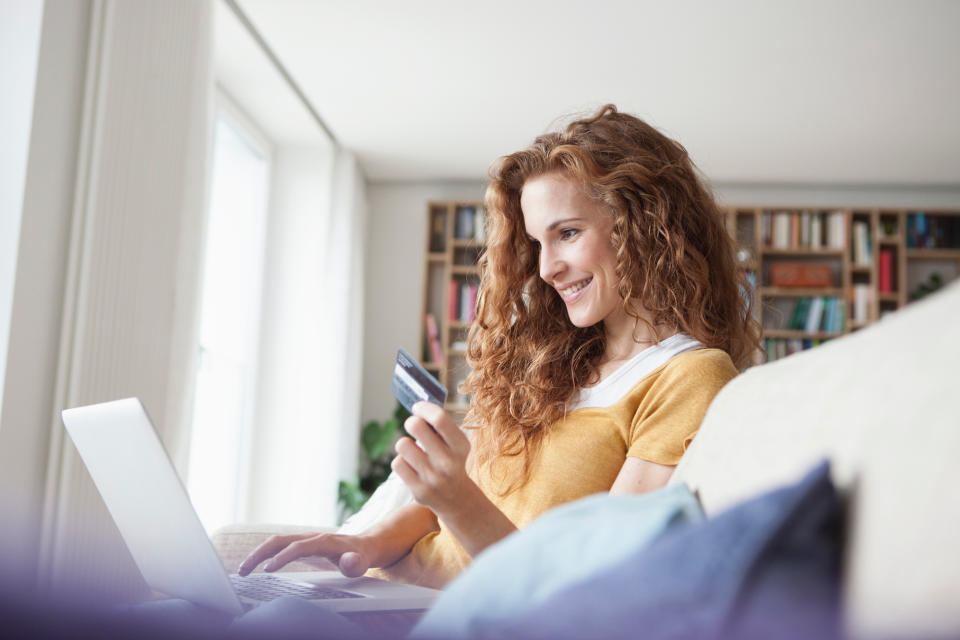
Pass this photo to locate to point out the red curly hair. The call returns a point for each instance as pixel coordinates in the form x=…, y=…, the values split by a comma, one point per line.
x=674, y=257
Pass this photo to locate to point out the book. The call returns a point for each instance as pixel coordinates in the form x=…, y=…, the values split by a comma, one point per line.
x=836, y=226
x=781, y=230
x=466, y=310
x=433, y=338
x=814, y=315
x=861, y=244
x=800, y=274
x=816, y=231
x=800, y=313
x=464, y=224
x=472, y=302
x=861, y=298
x=885, y=279
x=453, y=300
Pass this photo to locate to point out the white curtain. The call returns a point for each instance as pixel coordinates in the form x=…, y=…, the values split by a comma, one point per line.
x=125, y=244
x=307, y=415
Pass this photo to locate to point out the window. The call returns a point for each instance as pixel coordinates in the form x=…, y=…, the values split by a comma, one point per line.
x=229, y=322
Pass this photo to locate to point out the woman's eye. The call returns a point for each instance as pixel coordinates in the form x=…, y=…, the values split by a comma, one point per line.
x=566, y=234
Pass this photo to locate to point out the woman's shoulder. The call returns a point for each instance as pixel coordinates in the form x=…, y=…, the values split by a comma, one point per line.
x=699, y=364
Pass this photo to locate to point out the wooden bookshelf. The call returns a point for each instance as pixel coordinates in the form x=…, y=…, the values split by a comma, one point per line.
x=453, y=248
x=919, y=244
x=914, y=257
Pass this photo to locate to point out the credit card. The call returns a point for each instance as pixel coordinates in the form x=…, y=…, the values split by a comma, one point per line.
x=412, y=383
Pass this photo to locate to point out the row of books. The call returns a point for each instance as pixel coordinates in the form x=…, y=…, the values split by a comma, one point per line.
x=932, y=231
x=433, y=352
x=777, y=348
x=804, y=229
x=818, y=314
x=462, y=300
x=470, y=224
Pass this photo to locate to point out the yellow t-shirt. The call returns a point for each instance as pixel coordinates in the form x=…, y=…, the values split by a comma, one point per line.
x=583, y=453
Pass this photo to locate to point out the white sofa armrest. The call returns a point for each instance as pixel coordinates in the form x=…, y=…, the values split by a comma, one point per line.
x=235, y=541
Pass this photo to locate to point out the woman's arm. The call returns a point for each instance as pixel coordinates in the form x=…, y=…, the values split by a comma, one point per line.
x=639, y=476
x=380, y=546
x=434, y=468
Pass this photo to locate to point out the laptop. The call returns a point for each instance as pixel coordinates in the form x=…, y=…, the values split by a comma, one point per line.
x=151, y=508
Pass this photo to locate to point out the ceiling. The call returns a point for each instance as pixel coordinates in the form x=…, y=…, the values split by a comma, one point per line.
x=811, y=91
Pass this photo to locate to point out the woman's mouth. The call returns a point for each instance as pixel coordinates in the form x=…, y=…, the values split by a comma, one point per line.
x=574, y=291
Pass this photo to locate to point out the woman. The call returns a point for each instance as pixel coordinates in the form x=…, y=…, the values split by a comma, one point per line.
x=610, y=313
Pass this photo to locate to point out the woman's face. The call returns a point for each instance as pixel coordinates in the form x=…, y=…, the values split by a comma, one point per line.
x=577, y=257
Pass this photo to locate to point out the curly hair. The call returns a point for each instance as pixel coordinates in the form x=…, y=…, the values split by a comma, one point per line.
x=674, y=259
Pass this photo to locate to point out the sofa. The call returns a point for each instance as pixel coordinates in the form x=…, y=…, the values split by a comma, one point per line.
x=883, y=405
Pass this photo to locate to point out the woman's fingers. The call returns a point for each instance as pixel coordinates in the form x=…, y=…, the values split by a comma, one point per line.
x=426, y=437
x=272, y=546
x=324, y=545
x=444, y=425
x=414, y=455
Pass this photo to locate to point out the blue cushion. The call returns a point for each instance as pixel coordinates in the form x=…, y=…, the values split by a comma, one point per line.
x=768, y=568
x=563, y=548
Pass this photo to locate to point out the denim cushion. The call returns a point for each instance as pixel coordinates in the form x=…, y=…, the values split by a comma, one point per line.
x=564, y=547
x=769, y=567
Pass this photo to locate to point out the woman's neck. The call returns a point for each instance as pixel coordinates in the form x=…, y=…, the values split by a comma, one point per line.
x=626, y=337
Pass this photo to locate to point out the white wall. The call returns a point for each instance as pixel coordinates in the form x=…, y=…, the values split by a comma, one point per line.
x=893, y=196
x=19, y=49
x=396, y=223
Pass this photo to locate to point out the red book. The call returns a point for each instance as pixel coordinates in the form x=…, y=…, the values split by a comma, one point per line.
x=472, y=298
x=886, y=271
x=433, y=339
x=453, y=298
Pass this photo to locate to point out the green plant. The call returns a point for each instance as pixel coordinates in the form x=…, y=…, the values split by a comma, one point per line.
x=376, y=453
x=934, y=282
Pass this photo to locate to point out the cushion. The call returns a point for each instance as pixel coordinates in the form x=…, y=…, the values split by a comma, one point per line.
x=562, y=548
x=769, y=568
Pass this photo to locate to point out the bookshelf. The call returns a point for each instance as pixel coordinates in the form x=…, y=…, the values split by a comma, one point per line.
x=860, y=263
x=456, y=232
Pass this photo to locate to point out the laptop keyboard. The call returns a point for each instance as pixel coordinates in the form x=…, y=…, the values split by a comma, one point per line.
x=265, y=587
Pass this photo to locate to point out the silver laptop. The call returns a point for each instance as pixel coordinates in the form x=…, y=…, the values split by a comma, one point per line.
x=150, y=507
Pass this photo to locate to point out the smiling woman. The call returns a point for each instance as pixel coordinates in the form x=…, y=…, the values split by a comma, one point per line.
x=609, y=315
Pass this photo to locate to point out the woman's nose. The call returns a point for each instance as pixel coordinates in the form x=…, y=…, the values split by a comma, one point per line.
x=550, y=265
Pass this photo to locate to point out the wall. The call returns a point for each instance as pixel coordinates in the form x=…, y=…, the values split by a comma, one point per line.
x=396, y=226
x=20, y=38
x=396, y=249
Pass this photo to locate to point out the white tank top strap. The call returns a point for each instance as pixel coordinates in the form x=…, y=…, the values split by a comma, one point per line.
x=612, y=388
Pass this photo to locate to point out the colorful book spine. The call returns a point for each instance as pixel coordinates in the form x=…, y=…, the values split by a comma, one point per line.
x=472, y=301
x=453, y=301
x=886, y=271
x=433, y=338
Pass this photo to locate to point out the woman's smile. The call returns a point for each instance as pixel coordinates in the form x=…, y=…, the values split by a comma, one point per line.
x=571, y=293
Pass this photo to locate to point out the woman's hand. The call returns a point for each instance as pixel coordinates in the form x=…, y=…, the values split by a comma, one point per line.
x=434, y=467
x=349, y=553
